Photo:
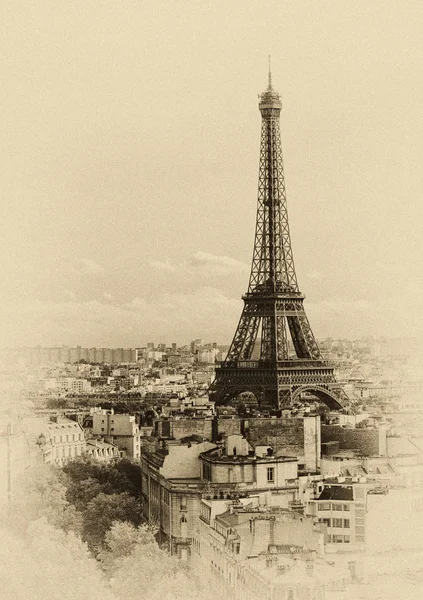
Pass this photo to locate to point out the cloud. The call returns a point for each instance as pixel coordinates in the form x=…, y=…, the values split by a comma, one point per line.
x=68, y=294
x=316, y=275
x=163, y=265
x=88, y=266
x=206, y=312
x=202, y=263
x=217, y=264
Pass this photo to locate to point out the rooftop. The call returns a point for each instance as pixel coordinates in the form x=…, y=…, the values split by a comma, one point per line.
x=218, y=455
x=238, y=512
x=337, y=493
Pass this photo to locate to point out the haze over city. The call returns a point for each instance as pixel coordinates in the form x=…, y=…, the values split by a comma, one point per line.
x=131, y=145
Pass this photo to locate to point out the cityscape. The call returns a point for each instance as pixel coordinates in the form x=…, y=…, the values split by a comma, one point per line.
x=277, y=456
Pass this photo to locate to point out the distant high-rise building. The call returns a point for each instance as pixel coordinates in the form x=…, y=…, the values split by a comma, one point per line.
x=117, y=355
x=140, y=353
x=75, y=354
x=99, y=355
x=64, y=354
x=83, y=353
x=108, y=355
x=92, y=355
x=129, y=355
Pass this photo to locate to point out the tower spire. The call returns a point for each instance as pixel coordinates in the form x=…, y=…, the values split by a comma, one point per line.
x=269, y=87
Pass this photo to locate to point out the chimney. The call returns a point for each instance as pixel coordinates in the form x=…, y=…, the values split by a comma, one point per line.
x=272, y=532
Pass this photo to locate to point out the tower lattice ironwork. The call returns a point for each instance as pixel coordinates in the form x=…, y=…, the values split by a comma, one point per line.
x=274, y=353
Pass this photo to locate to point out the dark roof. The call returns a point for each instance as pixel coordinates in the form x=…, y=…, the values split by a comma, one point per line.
x=194, y=438
x=337, y=492
x=227, y=518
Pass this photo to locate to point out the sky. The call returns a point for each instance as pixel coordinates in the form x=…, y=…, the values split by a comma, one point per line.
x=130, y=145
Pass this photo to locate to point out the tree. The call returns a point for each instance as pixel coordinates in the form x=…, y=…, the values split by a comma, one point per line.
x=121, y=540
x=57, y=403
x=105, y=509
x=159, y=576
x=363, y=424
x=80, y=493
x=42, y=561
x=132, y=472
x=42, y=493
x=116, y=477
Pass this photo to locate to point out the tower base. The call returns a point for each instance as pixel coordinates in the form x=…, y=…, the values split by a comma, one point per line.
x=276, y=386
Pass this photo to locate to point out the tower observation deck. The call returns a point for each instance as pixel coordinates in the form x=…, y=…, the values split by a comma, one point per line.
x=274, y=353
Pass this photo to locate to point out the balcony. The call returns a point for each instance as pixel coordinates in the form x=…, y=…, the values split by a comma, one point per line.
x=295, y=363
x=186, y=541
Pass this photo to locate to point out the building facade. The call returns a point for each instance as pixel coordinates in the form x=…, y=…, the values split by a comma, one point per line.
x=118, y=429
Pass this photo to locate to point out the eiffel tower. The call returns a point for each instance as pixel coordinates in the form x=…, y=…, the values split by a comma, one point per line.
x=261, y=358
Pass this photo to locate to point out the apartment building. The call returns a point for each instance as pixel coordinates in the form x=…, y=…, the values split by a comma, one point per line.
x=59, y=439
x=362, y=513
x=253, y=552
x=75, y=385
x=101, y=451
x=172, y=488
x=118, y=429
x=342, y=508
x=176, y=477
x=256, y=469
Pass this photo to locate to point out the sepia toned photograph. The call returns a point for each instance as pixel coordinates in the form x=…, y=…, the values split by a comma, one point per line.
x=211, y=356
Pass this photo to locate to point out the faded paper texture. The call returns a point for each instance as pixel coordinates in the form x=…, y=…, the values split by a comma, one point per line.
x=130, y=149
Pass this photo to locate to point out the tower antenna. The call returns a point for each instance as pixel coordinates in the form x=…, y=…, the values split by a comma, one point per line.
x=270, y=74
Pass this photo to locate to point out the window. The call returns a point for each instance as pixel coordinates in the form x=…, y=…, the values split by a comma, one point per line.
x=346, y=522
x=346, y=507
x=323, y=506
x=184, y=527
x=337, y=539
x=346, y=539
x=270, y=474
x=183, y=502
x=206, y=471
x=336, y=506
x=336, y=522
x=325, y=521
